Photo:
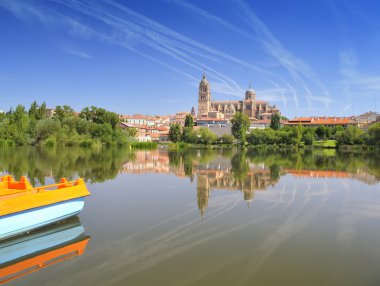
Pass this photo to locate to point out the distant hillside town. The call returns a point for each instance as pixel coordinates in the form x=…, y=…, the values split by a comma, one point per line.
x=216, y=115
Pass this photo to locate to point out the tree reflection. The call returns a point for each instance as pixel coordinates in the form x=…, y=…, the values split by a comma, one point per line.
x=95, y=165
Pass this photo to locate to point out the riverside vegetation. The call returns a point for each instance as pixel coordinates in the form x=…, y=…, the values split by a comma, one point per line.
x=319, y=136
x=93, y=126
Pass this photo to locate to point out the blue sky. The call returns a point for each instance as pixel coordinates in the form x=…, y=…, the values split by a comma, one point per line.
x=147, y=56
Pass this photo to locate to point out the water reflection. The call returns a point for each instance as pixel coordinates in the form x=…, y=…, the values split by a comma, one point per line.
x=30, y=253
x=253, y=170
x=95, y=165
x=313, y=218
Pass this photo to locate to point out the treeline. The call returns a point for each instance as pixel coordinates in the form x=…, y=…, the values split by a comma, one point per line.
x=92, y=126
x=275, y=134
x=299, y=135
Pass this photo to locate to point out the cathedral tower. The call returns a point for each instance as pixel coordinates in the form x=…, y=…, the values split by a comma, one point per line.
x=204, y=97
x=249, y=105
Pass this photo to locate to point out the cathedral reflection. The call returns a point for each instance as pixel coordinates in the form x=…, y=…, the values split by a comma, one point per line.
x=241, y=171
x=216, y=180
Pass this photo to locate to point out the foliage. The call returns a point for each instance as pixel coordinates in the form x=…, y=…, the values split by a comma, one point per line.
x=175, y=132
x=206, y=136
x=275, y=122
x=189, y=121
x=240, y=126
x=350, y=136
x=374, y=134
x=227, y=139
x=100, y=116
x=93, y=126
x=308, y=136
x=189, y=135
x=144, y=145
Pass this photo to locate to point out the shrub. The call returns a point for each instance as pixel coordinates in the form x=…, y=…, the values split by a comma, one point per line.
x=50, y=142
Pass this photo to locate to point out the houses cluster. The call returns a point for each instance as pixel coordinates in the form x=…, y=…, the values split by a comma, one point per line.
x=152, y=128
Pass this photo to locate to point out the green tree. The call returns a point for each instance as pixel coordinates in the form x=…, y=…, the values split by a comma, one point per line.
x=206, y=136
x=350, y=136
x=46, y=128
x=175, y=133
x=275, y=122
x=323, y=132
x=189, y=135
x=227, y=139
x=308, y=138
x=374, y=133
x=298, y=135
x=37, y=112
x=240, y=126
x=189, y=121
x=62, y=112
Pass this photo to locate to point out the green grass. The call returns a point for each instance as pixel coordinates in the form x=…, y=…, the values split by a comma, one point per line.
x=325, y=144
x=144, y=145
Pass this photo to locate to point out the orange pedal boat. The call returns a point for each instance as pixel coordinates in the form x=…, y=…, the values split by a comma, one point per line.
x=24, y=208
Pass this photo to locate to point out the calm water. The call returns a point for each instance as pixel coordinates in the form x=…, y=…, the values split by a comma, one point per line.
x=206, y=217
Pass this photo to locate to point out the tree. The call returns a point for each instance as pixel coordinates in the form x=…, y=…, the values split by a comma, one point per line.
x=189, y=121
x=298, y=135
x=189, y=135
x=175, y=132
x=62, y=112
x=37, y=112
x=240, y=126
x=308, y=138
x=206, y=136
x=350, y=136
x=374, y=133
x=275, y=122
x=227, y=139
x=323, y=132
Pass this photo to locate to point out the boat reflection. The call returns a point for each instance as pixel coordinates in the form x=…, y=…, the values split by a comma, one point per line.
x=26, y=254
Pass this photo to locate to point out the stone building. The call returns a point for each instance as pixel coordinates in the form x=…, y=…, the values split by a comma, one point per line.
x=253, y=108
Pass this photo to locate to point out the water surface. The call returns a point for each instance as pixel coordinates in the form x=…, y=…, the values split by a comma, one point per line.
x=209, y=217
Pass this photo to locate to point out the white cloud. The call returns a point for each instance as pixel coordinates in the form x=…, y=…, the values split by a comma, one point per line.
x=77, y=53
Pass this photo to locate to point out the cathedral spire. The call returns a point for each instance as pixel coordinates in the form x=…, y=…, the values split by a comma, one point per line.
x=204, y=72
x=249, y=85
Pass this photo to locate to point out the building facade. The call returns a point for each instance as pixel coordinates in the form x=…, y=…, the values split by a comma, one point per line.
x=253, y=108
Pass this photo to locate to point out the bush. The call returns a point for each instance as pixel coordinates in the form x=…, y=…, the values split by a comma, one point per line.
x=86, y=143
x=308, y=138
x=50, y=142
x=227, y=139
x=7, y=143
x=144, y=145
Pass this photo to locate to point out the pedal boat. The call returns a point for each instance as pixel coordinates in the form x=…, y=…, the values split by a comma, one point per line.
x=24, y=208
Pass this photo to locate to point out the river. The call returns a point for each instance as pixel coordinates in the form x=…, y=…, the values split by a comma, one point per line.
x=207, y=217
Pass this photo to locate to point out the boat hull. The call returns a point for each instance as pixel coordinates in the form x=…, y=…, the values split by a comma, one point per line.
x=25, y=221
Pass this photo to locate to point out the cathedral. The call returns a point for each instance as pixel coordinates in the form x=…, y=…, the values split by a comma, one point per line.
x=254, y=109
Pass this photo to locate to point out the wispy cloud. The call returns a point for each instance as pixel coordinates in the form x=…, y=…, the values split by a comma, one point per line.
x=117, y=24
x=76, y=53
x=296, y=67
x=355, y=83
x=299, y=70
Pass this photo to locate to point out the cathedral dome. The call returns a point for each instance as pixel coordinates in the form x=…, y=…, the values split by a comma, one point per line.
x=250, y=94
x=204, y=86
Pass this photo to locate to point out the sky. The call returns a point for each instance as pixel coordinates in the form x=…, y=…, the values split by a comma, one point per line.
x=307, y=57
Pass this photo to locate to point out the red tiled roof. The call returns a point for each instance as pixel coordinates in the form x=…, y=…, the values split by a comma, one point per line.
x=211, y=119
x=321, y=120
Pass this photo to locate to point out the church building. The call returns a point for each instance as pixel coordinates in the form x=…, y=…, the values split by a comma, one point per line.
x=254, y=109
